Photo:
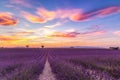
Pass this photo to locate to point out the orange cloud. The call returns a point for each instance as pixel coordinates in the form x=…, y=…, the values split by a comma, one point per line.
x=25, y=33
x=42, y=16
x=12, y=41
x=78, y=17
x=33, y=18
x=8, y=38
x=7, y=19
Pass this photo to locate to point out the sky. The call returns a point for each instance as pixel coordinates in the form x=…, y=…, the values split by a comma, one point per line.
x=58, y=23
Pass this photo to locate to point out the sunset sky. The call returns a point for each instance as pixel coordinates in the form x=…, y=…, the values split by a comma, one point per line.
x=57, y=23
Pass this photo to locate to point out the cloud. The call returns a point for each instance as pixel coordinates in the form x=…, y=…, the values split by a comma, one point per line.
x=7, y=19
x=48, y=15
x=72, y=33
x=117, y=33
x=70, y=30
x=21, y=2
x=100, y=32
x=95, y=14
x=25, y=33
x=57, y=14
x=8, y=38
x=63, y=34
x=67, y=13
x=43, y=15
x=93, y=31
x=54, y=25
x=33, y=18
x=107, y=11
x=77, y=15
x=75, y=34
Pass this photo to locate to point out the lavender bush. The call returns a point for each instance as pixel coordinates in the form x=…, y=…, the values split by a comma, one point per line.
x=21, y=64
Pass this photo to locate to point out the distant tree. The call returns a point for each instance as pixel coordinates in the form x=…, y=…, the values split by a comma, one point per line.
x=42, y=46
x=27, y=46
x=71, y=47
x=2, y=47
x=114, y=48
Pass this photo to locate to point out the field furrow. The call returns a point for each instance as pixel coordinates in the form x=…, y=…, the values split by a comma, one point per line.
x=47, y=73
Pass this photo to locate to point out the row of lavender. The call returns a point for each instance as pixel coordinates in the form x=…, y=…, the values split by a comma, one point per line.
x=66, y=64
x=21, y=64
x=85, y=64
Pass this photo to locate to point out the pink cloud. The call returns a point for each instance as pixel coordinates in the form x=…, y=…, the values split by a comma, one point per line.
x=58, y=14
x=78, y=17
x=75, y=34
x=67, y=13
x=117, y=33
x=48, y=15
x=72, y=33
x=71, y=14
x=109, y=10
x=100, y=32
x=63, y=34
x=7, y=19
x=95, y=14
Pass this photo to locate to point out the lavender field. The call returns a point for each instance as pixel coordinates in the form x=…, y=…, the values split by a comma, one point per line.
x=59, y=64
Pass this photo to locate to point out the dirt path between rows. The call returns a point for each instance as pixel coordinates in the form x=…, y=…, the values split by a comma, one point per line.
x=47, y=73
